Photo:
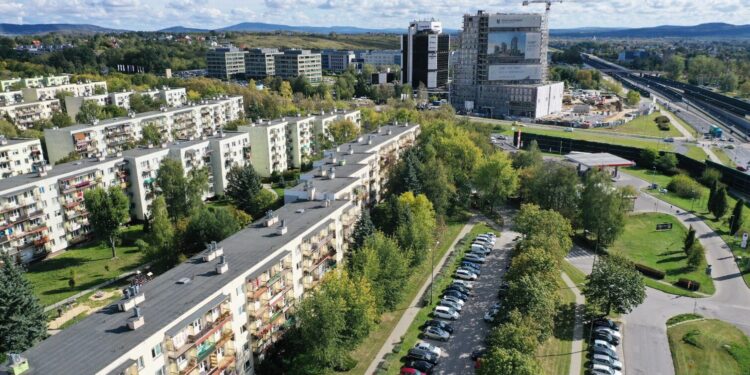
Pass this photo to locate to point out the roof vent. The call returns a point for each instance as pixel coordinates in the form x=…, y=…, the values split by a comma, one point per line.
x=223, y=266
x=351, y=150
x=369, y=139
x=334, y=160
x=213, y=250
x=271, y=218
x=332, y=173
x=389, y=132
x=342, y=162
x=327, y=203
x=338, y=148
x=282, y=229
x=137, y=320
x=322, y=171
x=183, y=281
x=18, y=364
x=132, y=296
x=3, y=140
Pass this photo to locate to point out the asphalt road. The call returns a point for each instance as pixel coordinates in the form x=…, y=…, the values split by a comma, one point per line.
x=470, y=329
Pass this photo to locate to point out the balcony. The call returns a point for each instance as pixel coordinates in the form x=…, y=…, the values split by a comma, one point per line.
x=210, y=329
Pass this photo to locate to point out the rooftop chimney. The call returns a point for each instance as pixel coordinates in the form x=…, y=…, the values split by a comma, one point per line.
x=132, y=296
x=223, y=266
x=213, y=250
x=351, y=150
x=137, y=320
x=282, y=229
x=271, y=218
x=332, y=173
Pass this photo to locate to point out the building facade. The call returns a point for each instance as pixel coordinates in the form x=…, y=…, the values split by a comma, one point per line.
x=221, y=311
x=24, y=114
x=268, y=146
x=225, y=62
x=380, y=57
x=259, y=62
x=336, y=61
x=294, y=63
x=32, y=94
x=31, y=82
x=425, y=51
x=19, y=156
x=501, y=67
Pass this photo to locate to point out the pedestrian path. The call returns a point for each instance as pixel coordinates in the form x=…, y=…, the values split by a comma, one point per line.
x=576, y=360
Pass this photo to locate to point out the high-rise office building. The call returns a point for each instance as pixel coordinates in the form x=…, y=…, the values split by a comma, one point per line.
x=425, y=51
x=336, y=61
x=299, y=62
x=259, y=62
x=225, y=62
x=501, y=67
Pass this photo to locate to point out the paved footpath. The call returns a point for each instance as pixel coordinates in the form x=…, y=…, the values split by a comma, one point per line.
x=411, y=312
x=576, y=361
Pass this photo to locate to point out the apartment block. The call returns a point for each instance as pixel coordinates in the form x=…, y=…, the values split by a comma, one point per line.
x=31, y=94
x=259, y=62
x=143, y=164
x=115, y=135
x=299, y=138
x=294, y=63
x=268, y=146
x=336, y=61
x=221, y=311
x=24, y=114
x=42, y=212
x=19, y=156
x=425, y=51
x=225, y=62
x=34, y=82
x=323, y=120
x=73, y=103
x=10, y=97
x=174, y=97
x=230, y=149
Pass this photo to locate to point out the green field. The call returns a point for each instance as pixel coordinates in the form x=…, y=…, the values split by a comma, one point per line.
x=681, y=121
x=366, y=352
x=709, y=347
x=441, y=281
x=554, y=355
x=644, y=125
x=698, y=207
x=662, y=250
x=317, y=41
x=50, y=277
x=595, y=136
x=723, y=157
x=696, y=153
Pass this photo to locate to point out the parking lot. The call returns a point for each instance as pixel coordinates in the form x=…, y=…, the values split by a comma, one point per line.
x=470, y=329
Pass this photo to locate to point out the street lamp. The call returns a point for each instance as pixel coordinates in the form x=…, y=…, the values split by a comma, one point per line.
x=432, y=272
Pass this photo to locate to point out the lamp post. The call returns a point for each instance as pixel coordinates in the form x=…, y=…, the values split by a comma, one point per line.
x=432, y=273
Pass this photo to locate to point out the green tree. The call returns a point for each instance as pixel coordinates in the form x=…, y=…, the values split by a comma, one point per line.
x=648, y=157
x=710, y=177
x=535, y=296
x=343, y=131
x=243, y=186
x=554, y=186
x=745, y=89
x=392, y=270
x=695, y=256
x=161, y=237
x=437, y=186
x=545, y=229
x=22, y=319
x=263, y=201
x=728, y=82
x=500, y=361
x=181, y=193
x=516, y=333
x=689, y=240
x=285, y=90
x=736, y=221
x=151, y=135
x=720, y=203
x=415, y=231
x=633, y=98
x=495, y=180
x=61, y=120
x=362, y=229
x=614, y=285
x=602, y=208
x=209, y=224
x=529, y=158
x=89, y=112
x=667, y=163
x=107, y=211
x=674, y=66
x=713, y=188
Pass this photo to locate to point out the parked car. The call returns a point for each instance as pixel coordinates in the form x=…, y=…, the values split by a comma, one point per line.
x=608, y=330
x=444, y=312
x=473, y=267
x=459, y=288
x=445, y=326
x=456, y=293
x=485, y=239
x=602, y=359
x=482, y=251
x=490, y=315
x=741, y=168
x=604, y=344
x=464, y=283
x=422, y=355
x=475, y=258
x=463, y=273
x=608, y=352
x=600, y=335
x=478, y=353
x=410, y=371
x=483, y=242
x=604, y=322
x=423, y=366
x=603, y=370
x=451, y=304
x=429, y=347
x=435, y=333
x=669, y=140
x=455, y=300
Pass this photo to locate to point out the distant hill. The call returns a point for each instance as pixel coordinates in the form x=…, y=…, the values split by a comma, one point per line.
x=706, y=30
x=183, y=29
x=268, y=27
x=46, y=28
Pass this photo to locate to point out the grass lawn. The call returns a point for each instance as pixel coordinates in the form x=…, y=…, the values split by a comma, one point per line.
x=90, y=261
x=682, y=122
x=696, y=153
x=661, y=250
x=554, y=355
x=441, y=281
x=365, y=353
x=698, y=207
x=596, y=136
x=645, y=125
x=723, y=157
x=578, y=277
x=709, y=347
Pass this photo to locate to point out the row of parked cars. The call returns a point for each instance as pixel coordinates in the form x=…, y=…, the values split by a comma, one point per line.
x=425, y=356
x=605, y=337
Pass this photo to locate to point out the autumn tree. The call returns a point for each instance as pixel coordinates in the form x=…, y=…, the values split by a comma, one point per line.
x=107, y=211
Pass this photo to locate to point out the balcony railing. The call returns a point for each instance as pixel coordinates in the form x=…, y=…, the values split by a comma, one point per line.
x=210, y=328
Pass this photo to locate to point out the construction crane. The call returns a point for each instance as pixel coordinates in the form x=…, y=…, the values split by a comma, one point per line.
x=547, y=2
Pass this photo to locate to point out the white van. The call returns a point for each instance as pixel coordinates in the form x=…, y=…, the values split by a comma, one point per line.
x=444, y=312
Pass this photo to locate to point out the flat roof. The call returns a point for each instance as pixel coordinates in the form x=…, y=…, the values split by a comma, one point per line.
x=601, y=159
x=16, y=141
x=58, y=170
x=102, y=338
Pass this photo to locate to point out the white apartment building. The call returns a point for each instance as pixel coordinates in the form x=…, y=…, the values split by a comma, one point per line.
x=10, y=97
x=34, y=82
x=32, y=94
x=19, y=156
x=25, y=114
x=230, y=149
x=43, y=212
x=143, y=164
x=299, y=138
x=323, y=120
x=268, y=146
x=121, y=99
x=115, y=135
x=174, y=97
x=220, y=311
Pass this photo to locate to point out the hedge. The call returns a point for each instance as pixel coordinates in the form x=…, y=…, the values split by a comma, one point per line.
x=650, y=272
x=685, y=187
x=688, y=284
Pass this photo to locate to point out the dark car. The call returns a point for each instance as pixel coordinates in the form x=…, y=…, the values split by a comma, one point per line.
x=457, y=294
x=604, y=322
x=423, y=366
x=606, y=337
x=503, y=290
x=423, y=355
x=440, y=324
x=459, y=288
x=473, y=267
x=741, y=168
x=605, y=351
x=478, y=353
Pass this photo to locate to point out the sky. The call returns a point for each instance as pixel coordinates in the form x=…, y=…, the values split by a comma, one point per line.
x=156, y=14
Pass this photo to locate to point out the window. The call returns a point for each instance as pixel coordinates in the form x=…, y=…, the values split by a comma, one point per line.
x=241, y=310
x=197, y=325
x=161, y=371
x=141, y=365
x=156, y=351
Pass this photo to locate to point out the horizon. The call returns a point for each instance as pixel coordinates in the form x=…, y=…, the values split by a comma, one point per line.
x=129, y=15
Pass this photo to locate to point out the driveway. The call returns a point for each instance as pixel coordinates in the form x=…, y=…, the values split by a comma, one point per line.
x=470, y=329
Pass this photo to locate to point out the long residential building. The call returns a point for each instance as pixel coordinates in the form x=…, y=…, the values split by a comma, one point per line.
x=25, y=114
x=31, y=94
x=111, y=136
x=31, y=82
x=19, y=156
x=220, y=312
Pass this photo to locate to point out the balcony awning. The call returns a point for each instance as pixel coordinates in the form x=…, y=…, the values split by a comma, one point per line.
x=19, y=191
x=206, y=307
x=317, y=230
x=119, y=370
x=275, y=260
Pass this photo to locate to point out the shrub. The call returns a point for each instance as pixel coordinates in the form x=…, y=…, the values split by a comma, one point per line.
x=685, y=187
x=667, y=163
x=662, y=119
x=710, y=176
x=650, y=272
x=663, y=126
x=682, y=318
x=691, y=338
x=688, y=284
